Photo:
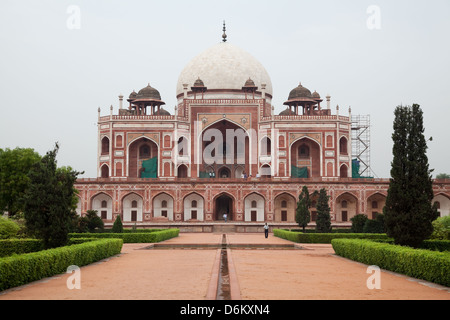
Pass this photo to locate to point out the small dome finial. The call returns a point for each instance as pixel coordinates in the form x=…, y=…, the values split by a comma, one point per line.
x=224, y=36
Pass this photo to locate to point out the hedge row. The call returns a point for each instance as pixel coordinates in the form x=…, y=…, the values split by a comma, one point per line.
x=147, y=237
x=323, y=237
x=21, y=269
x=19, y=246
x=423, y=264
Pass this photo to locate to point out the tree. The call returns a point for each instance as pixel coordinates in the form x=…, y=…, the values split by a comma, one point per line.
x=8, y=228
x=14, y=167
x=358, y=222
x=117, y=226
x=93, y=222
x=409, y=212
x=302, y=214
x=375, y=225
x=443, y=176
x=49, y=200
x=323, y=223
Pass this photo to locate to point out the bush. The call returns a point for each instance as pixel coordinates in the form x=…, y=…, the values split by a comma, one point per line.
x=441, y=228
x=374, y=226
x=323, y=237
x=358, y=222
x=17, y=270
x=117, y=226
x=8, y=228
x=19, y=246
x=131, y=237
x=418, y=263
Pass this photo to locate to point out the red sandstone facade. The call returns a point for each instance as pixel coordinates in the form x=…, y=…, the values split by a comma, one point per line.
x=225, y=151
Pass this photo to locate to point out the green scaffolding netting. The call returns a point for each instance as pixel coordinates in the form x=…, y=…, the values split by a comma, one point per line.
x=355, y=170
x=150, y=167
x=204, y=175
x=299, y=172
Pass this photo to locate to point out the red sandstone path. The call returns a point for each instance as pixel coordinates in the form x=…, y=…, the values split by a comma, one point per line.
x=311, y=273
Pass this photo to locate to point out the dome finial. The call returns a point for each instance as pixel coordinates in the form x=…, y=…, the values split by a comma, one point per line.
x=224, y=36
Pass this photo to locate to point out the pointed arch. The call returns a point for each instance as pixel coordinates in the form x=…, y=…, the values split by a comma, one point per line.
x=193, y=205
x=103, y=204
x=346, y=207
x=132, y=207
x=224, y=202
x=284, y=207
x=306, y=152
x=139, y=150
x=254, y=207
x=163, y=206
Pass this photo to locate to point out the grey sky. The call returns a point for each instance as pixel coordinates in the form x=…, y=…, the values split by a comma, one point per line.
x=53, y=79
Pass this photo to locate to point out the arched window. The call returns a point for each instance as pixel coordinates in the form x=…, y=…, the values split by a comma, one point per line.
x=134, y=204
x=119, y=143
x=344, y=171
x=266, y=146
x=284, y=204
x=105, y=171
x=164, y=204
x=144, y=151
x=104, y=204
x=105, y=145
x=374, y=204
x=182, y=146
x=303, y=151
x=344, y=204
x=437, y=204
x=194, y=204
x=343, y=145
x=254, y=204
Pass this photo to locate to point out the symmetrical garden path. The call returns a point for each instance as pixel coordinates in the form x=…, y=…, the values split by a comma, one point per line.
x=190, y=267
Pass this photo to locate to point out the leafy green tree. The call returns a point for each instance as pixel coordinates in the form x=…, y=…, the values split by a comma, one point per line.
x=375, y=225
x=302, y=214
x=48, y=200
x=8, y=228
x=93, y=222
x=117, y=226
x=443, y=176
x=441, y=228
x=409, y=212
x=358, y=222
x=323, y=223
x=14, y=167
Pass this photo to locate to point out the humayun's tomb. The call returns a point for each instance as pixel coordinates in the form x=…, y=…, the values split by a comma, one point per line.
x=225, y=151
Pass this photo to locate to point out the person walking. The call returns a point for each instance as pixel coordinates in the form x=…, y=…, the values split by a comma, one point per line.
x=266, y=230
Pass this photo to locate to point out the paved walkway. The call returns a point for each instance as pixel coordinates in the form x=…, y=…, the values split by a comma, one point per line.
x=186, y=271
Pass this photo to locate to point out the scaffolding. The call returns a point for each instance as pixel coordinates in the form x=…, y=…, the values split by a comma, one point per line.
x=361, y=144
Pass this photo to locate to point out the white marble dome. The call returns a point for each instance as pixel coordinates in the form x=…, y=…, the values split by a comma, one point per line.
x=224, y=66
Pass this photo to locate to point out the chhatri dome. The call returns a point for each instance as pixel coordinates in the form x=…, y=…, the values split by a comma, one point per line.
x=224, y=66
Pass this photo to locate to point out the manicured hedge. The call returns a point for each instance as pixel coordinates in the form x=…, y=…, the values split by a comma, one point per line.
x=19, y=246
x=423, y=264
x=323, y=237
x=21, y=269
x=147, y=237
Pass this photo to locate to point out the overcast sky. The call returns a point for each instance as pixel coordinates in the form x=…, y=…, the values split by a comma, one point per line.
x=62, y=60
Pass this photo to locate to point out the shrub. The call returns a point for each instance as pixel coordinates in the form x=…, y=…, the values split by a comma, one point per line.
x=117, y=226
x=131, y=237
x=374, y=226
x=358, y=222
x=323, y=237
x=19, y=246
x=441, y=228
x=20, y=269
x=423, y=264
x=8, y=228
